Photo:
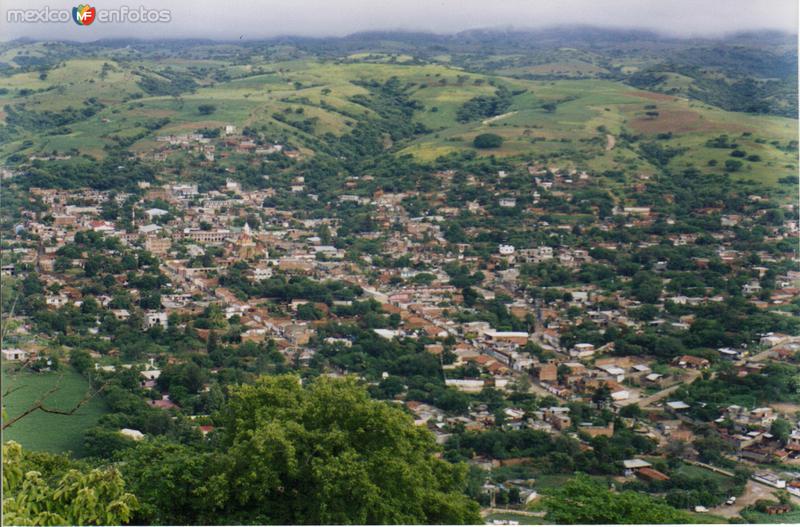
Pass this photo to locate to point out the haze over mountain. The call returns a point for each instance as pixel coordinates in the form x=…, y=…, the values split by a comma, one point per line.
x=250, y=19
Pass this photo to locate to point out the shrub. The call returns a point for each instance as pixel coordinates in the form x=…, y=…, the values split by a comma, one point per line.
x=487, y=141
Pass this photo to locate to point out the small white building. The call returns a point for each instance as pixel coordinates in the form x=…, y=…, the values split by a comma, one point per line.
x=15, y=354
x=582, y=350
x=262, y=273
x=506, y=250
x=155, y=213
x=155, y=318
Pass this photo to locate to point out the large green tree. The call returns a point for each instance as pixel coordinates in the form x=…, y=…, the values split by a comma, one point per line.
x=584, y=501
x=329, y=454
x=285, y=453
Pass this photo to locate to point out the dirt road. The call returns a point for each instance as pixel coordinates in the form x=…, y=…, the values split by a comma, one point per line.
x=647, y=402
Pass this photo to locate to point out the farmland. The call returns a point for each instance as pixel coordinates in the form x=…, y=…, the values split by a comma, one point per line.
x=46, y=431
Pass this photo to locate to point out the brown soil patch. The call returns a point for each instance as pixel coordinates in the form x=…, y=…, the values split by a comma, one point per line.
x=157, y=113
x=786, y=408
x=653, y=96
x=676, y=121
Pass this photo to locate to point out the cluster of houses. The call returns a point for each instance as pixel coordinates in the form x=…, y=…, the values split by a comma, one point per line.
x=198, y=236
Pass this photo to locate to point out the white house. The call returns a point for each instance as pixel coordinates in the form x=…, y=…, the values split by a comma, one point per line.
x=506, y=250
x=155, y=318
x=155, y=213
x=15, y=354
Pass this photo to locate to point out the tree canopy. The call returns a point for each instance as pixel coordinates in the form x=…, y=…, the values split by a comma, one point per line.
x=582, y=500
x=487, y=141
x=48, y=490
x=291, y=454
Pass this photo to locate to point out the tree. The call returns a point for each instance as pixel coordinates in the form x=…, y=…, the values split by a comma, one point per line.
x=781, y=428
x=309, y=311
x=646, y=287
x=633, y=411
x=286, y=453
x=487, y=141
x=675, y=451
x=175, y=484
x=41, y=492
x=80, y=360
x=206, y=109
x=732, y=165
x=602, y=395
x=329, y=454
x=581, y=500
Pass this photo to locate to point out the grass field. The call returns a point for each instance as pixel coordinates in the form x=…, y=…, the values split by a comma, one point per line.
x=697, y=472
x=45, y=431
x=792, y=517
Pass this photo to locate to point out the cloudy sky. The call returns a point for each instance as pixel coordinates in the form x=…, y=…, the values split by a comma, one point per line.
x=257, y=19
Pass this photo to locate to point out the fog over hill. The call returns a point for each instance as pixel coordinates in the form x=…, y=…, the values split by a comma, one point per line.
x=254, y=20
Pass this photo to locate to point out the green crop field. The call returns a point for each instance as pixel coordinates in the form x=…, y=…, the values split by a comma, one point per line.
x=47, y=431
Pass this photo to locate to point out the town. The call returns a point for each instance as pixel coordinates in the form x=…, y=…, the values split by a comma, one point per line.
x=496, y=276
x=606, y=332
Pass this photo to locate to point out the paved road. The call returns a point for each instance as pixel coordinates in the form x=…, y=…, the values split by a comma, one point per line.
x=539, y=390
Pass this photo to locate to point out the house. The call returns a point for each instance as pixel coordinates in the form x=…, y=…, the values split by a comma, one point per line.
x=558, y=416
x=677, y=406
x=164, y=403
x=729, y=354
x=632, y=465
x=388, y=334
x=548, y=372
x=121, y=314
x=515, y=337
x=615, y=372
x=691, y=362
x=15, y=354
x=206, y=429
x=155, y=213
x=155, y=318
x=150, y=229
x=582, y=351
x=654, y=379
x=150, y=375
x=597, y=430
x=651, y=474
x=751, y=288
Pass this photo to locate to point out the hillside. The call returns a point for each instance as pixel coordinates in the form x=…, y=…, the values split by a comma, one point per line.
x=568, y=106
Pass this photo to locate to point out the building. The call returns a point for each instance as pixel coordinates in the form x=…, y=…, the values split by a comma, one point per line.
x=155, y=318
x=15, y=354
